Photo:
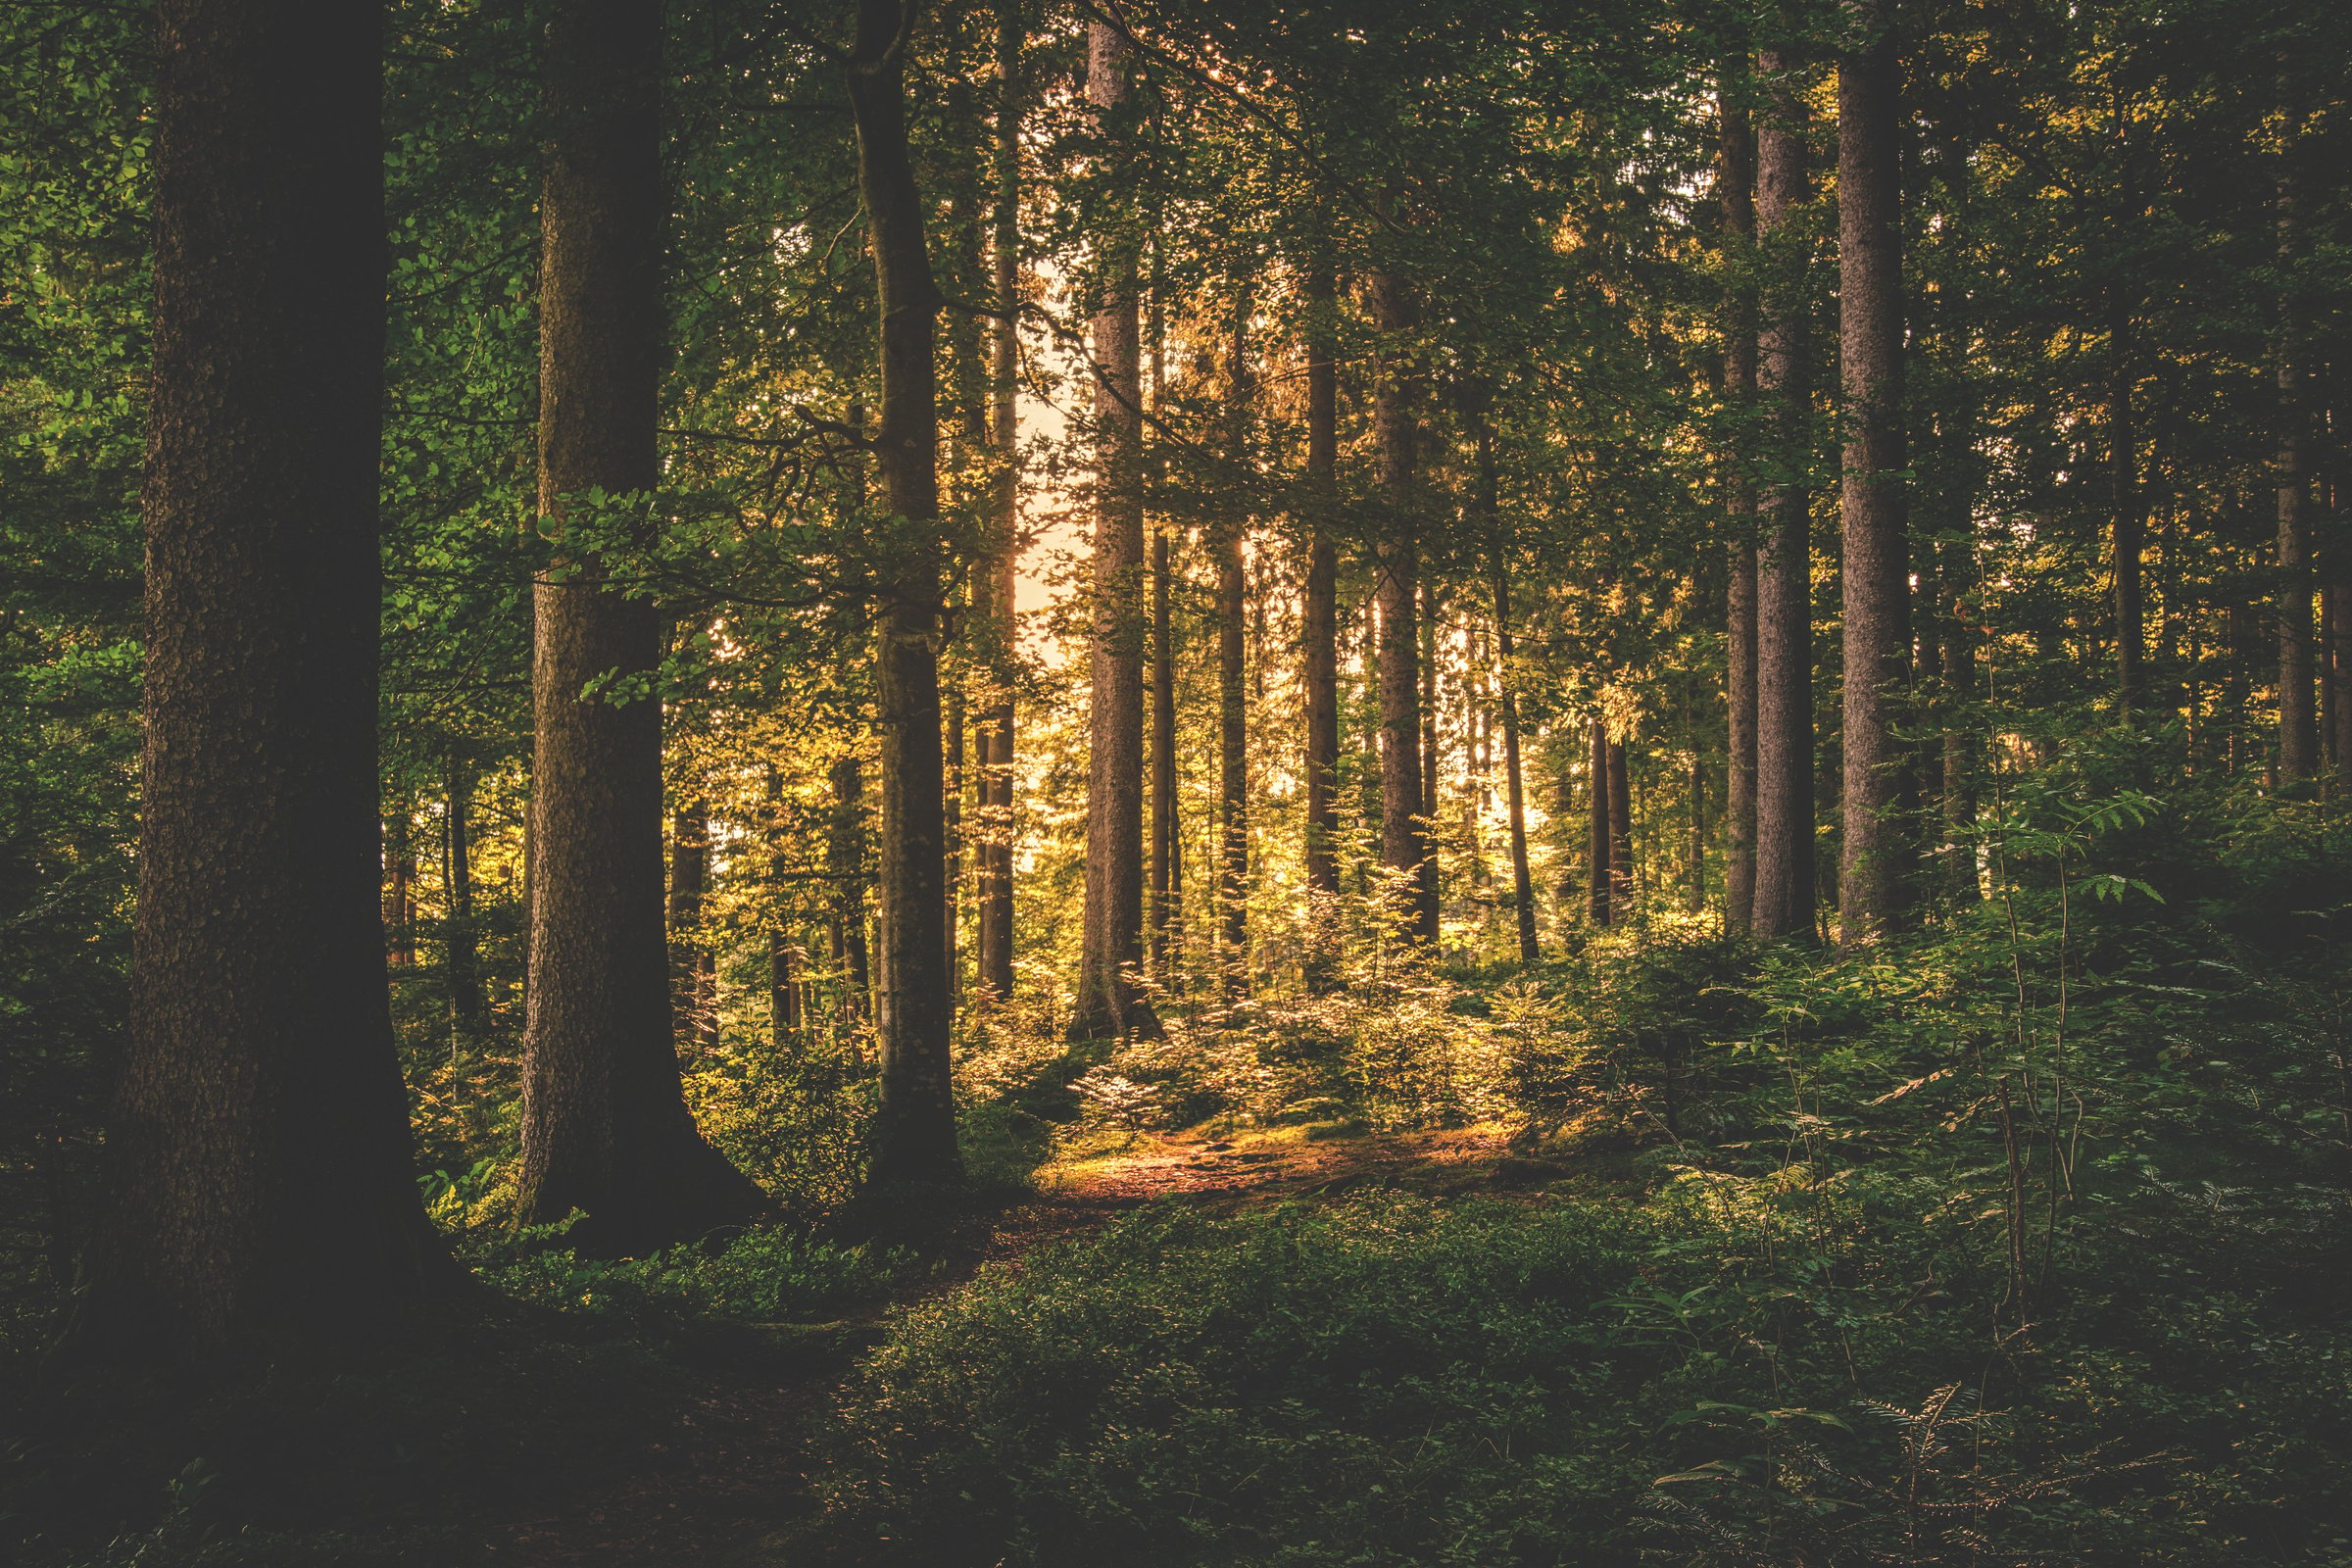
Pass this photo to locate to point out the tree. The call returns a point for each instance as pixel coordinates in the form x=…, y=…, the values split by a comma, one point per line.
x=913, y=1136
x=1233, y=719
x=1783, y=906
x=1318, y=621
x=1001, y=569
x=1875, y=581
x=259, y=1199
x=1107, y=1001
x=605, y=1127
x=1403, y=819
x=1735, y=175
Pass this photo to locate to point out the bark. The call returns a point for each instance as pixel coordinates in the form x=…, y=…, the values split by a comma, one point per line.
x=1403, y=831
x=1784, y=886
x=1319, y=648
x=1872, y=883
x=1600, y=883
x=1233, y=713
x=2298, y=744
x=259, y=1197
x=845, y=871
x=1432, y=610
x=913, y=1135
x=400, y=893
x=2339, y=681
x=469, y=1013
x=951, y=833
x=1737, y=175
x=605, y=1126
x=1167, y=858
x=1523, y=887
x=2127, y=524
x=783, y=990
x=1620, y=831
x=996, y=728
x=1107, y=1001
x=1959, y=682
x=691, y=969
x=1694, y=858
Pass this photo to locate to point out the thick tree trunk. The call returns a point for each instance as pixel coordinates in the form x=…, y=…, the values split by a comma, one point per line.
x=1319, y=647
x=469, y=1013
x=690, y=972
x=1785, y=887
x=913, y=1137
x=1737, y=175
x=1600, y=883
x=1107, y=1001
x=1403, y=835
x=605, y=1126
x=259, y=1195
x=2298, y=744
x=994, y=856
x=1872, y=881
x=1620, y=831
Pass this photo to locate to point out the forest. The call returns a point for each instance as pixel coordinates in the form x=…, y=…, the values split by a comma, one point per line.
x=1177, y=782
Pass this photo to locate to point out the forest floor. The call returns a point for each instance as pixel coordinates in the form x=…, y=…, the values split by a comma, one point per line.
x=726, y=1481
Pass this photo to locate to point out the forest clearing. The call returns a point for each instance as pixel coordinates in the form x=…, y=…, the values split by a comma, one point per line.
x=1175, y=782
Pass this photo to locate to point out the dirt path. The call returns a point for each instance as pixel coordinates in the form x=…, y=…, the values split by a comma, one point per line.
x=731, y=1469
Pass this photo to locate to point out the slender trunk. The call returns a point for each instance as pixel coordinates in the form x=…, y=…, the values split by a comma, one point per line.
x=2299, y=747
x=845, y=871
x=691, y=973
x=1107, y=1001
x=2339, y=620
x=605, y=1125
x=1319, y=648
x=1167, y=860
x=1233, y=713
x=1403, y=836
x=1620, y=831
x=1959, y=683
x=1694, y=858
x=2127, y=515
x=400, y=893
x=1433, y=612
x=1489, y=506
x=994, y=856
x=951, y=833
x=1785, y=887
x=1737, y=176
x=783, y=991
x=1598, y=880
x=469, y=1013
x=284, y=1217
x=1873, y=883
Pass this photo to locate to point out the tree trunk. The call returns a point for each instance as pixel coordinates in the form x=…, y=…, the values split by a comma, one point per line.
x=1620, y=831
x=1489, y=506
x=783, y=991
x=1107, y=1001
x=1784, y=900
x=995, y=957
x=1168, y=856
x=952, y=834
x=2128, y=521
x=2298, y=748
x=1319, y=647
x=690, y=960
x=1599, y=841
x=2340, y=646
x=913, y=1136
x=259, y=1197
x=1872, y=880
x=605, y=1126
x=469, y=1013
x=1404, y=836
x=400, y=892
x=1736, y=173
x=1432, y=610
x=1233, y=712
x=845, y=870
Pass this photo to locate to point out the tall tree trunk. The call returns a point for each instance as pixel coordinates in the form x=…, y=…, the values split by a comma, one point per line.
x=1490, y=507
x=2340, y=646
x=1785, y=888
x=913, y=1135
x=1620, y=831
x=1319, y=647
x=285, y=1216
x=1167, y=843
x=690, y=960
x=1233, y=712
x=2298, y=748
x=469, y=1013
x=1599, y=840
x=1403, y=835
x=1872, y=881
x=605, y=1126
x=845, y=871
x=951, y=833
x=400, y=892
x=995, y=957
x=1107, y=1001
x=1737, y=168
x=1432, y=610
x=2127, y=525
x=1694, y=858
